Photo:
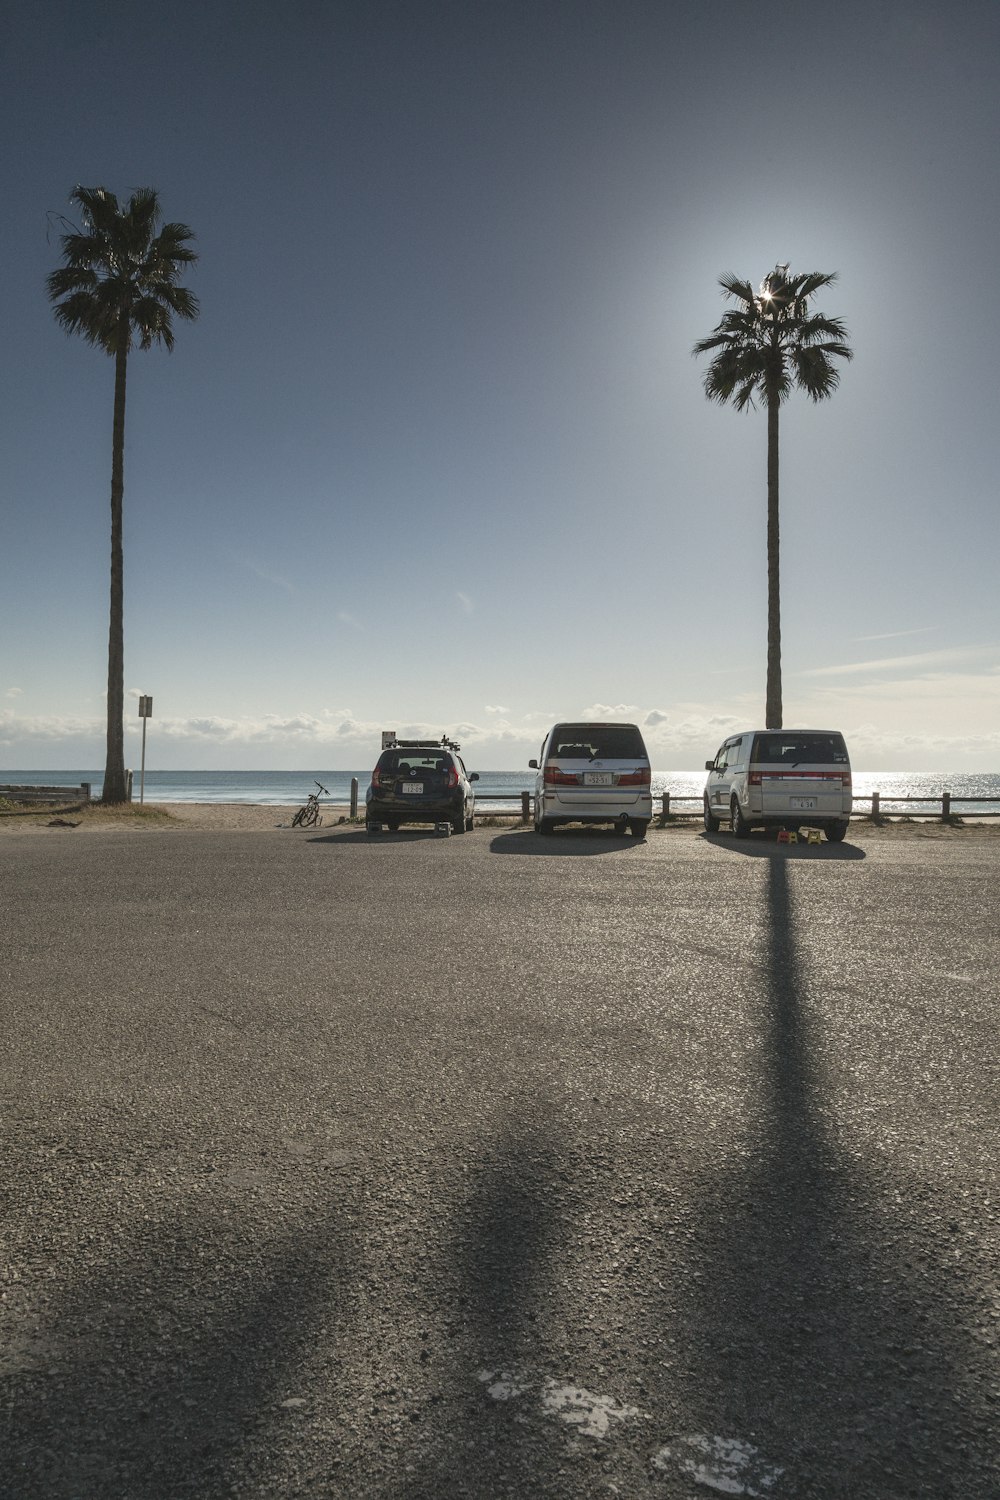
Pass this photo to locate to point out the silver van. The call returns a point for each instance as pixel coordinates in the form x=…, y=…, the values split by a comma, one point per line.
x=593, y=773
x=780, y=778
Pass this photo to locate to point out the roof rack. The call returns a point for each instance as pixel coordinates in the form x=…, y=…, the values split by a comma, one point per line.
x=399, y=740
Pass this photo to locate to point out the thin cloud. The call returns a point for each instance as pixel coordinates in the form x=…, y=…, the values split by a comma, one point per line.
x=346, y=618
x=278, y=579
x=464, y=601
x=922, y=661
x=895, y=635
x=14, y=692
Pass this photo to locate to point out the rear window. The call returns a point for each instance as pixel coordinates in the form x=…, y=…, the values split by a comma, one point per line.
x=596, y=742
x=394, y=762
x=799, y=750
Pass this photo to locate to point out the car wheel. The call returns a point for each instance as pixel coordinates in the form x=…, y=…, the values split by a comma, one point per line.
x=544, y=825
x=711, y=821
x=836, y=831
x=393, y=825
x=470, y=822
x=637, y=827
x=741, y=828
x=458, y=824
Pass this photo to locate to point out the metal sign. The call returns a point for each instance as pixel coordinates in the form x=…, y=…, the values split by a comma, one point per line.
x=388, y=738
x=145, y=712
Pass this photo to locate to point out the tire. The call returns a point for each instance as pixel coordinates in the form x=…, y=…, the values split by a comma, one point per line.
x=458, y=824
x=298, y=817
x=545, y=826
x=370, y=828
x=470, y=822
x=836, y=831
x=741, y=828
x=637, y=827
x=392, y=824
x=711, y=821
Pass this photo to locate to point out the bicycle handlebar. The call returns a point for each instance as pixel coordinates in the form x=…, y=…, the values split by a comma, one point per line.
x=324, y=789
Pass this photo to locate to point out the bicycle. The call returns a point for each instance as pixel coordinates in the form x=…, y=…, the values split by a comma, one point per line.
x=308, y=816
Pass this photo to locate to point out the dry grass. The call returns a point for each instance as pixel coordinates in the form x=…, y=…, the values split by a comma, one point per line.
x=86, y=814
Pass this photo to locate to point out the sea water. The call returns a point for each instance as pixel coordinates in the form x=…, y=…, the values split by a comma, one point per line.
x=286, y=788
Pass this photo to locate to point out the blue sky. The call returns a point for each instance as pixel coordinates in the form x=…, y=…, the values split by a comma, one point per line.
x=436, y=453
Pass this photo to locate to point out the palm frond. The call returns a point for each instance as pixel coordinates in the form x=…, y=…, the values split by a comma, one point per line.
x=120, y=279
x=733, y=287
x=771, y=342
x=815, y=373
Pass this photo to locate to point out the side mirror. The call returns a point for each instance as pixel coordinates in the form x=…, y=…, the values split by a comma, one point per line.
x=533, y=765
x=710, y=765
x=473, y=775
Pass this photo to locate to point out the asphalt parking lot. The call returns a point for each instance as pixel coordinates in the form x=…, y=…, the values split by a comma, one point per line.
x=499, y=1166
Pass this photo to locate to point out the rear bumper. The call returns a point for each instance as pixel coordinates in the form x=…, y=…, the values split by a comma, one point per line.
x=414, y=810
x=588, y=807
x=796, y=819
x=827, y=810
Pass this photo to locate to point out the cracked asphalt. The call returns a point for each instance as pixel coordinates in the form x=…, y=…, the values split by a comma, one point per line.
x=498, y=1166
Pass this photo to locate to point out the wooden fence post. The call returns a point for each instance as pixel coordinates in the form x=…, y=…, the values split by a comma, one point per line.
x=666, y=807
x=945, y=807
x=354, y=798
x=525, y=807
x=875, y=811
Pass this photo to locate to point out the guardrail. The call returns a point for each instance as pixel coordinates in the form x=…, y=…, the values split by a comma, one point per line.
x=876, y=801
x=79, y=793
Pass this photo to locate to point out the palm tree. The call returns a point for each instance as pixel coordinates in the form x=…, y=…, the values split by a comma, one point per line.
x=764, y=348
x=119, y=283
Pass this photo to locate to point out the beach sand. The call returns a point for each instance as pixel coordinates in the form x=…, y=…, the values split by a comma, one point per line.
x=260, y=817
x=255, y=817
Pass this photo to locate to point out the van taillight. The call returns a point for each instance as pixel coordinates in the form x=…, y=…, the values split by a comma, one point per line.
x=755, y=778
x=641, y=777
x=552, y=776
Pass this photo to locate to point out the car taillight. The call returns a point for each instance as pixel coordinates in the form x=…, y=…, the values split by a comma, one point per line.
x=755, y=778
x=453, y=777
x=376, y=778
x=641, y=777
x=552, y=776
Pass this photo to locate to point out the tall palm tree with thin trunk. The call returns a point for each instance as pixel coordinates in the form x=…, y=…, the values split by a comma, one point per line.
x=119, y=284
x=765, y=347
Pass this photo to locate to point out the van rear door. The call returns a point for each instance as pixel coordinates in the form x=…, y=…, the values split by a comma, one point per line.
x=801, y=774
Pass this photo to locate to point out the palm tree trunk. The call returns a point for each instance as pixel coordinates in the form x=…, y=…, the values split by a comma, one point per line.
x=772, y=710
x=114, y=771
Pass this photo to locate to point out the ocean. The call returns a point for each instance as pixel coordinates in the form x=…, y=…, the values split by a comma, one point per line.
x=289, y=788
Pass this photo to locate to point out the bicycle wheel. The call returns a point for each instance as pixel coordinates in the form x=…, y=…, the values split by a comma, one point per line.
x=311, y=818
x=299, y=816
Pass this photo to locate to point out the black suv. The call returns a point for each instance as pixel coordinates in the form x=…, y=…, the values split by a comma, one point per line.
x=420, y=781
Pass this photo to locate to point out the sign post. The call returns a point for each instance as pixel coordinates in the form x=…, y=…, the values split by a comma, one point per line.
x=145, y=712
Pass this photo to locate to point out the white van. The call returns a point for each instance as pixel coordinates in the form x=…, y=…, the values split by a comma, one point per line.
x=780, y=778
x=593, y=773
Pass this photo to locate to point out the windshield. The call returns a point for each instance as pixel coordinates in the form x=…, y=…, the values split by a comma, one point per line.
x=799, y=750
x=596, y=742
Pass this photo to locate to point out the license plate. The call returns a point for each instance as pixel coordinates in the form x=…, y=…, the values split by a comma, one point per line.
x=802, y=804
x=412, y=787
x=598, y=778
